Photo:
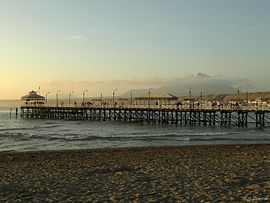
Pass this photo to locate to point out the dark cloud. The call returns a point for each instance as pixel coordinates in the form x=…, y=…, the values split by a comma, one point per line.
x=203, y=75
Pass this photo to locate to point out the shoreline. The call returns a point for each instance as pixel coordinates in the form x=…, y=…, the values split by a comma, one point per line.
x=100, y=149
x=174, y=174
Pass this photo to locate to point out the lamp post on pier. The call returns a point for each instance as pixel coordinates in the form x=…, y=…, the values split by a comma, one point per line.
x=238, y=97
x=69, y=97
x=149, y=93
x=190, y=98
x=247, y=103
x=131, y=102
x=201, y=99
x=101, y=98
x=47, y=98
x=57, y=95
x=238, y=91
x=84, y=96
x=148, y=112
x=113, y=96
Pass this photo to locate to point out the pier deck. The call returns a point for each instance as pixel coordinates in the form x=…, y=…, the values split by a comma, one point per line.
x=171, y=115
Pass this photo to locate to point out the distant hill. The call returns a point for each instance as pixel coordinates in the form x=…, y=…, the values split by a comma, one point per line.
x=197, y=88
x=212, y=88
x=252, y=96
x=182, y=90
x=200, y=82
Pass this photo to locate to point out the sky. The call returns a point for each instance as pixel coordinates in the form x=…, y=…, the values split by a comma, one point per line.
x=101, y=45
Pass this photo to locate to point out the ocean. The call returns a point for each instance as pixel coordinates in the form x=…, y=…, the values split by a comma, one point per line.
x=18, y=134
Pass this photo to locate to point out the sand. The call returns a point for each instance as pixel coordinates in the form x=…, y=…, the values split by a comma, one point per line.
x=228, y=173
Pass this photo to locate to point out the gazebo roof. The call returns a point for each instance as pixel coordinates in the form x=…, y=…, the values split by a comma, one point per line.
x=32, y=96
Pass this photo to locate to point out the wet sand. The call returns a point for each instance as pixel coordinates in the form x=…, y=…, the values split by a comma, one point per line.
x=229, y=173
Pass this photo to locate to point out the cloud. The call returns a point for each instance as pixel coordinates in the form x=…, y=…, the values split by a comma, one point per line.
x=253, y=27
x=156, y=26
x=236, y=27
x=229, y=27
x=74, y=37
x=203, y=75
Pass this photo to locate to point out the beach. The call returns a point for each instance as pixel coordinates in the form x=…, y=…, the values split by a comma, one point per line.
x=229, y=173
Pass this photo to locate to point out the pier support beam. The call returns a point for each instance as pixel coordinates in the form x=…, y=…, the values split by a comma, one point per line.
x=242, y=118
x=260, y=118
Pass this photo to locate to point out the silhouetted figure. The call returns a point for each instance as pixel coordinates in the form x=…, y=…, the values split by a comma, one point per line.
x=10, y=112
x=89, y=103
x=178, y=104
x=16, y=112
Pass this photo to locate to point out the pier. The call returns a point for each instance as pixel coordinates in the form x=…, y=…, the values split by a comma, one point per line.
x=172, y=115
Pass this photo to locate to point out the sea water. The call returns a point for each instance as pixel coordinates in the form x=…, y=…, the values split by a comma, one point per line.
x=43, y=134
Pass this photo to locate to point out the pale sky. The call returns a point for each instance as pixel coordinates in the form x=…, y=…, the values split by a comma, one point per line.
x=100, y=45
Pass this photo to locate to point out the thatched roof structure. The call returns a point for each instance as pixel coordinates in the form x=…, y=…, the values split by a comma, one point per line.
x=33, y=96
x=157, y=96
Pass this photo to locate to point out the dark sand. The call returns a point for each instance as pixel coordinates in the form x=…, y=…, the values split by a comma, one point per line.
x=162, y=174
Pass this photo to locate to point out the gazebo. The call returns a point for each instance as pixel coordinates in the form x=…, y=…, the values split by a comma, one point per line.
x=33, y=99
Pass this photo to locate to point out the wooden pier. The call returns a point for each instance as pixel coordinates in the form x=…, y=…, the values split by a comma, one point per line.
x=173, y=116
